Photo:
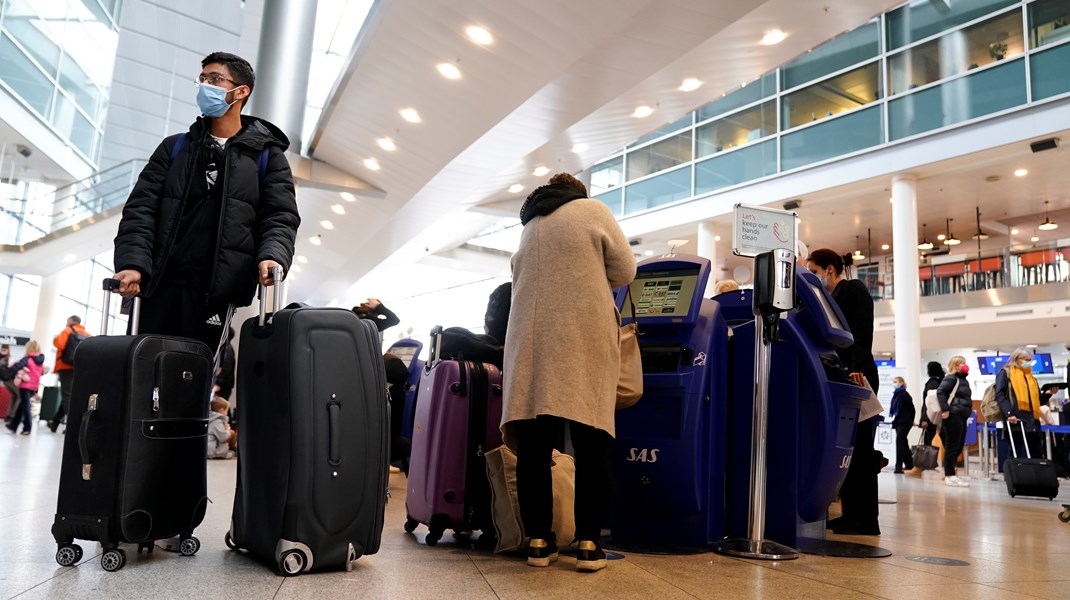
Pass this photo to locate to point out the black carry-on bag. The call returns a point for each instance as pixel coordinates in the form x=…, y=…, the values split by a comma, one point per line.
x=134, y=467
x=1029, y=476
x=313, y=439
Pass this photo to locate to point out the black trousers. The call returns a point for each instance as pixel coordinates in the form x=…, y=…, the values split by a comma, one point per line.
x=66, y=386
x=930, y=434
x=903, y=459
x=183, y=311
x=858, y=494
x=535, y=443
x=953, y=435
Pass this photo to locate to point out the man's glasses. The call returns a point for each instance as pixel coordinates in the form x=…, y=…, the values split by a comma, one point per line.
x=212, y=79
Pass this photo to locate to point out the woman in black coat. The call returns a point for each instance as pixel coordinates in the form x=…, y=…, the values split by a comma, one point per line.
x=936, y=375
x=902, y=413
x=956, y=402
x=858, y=494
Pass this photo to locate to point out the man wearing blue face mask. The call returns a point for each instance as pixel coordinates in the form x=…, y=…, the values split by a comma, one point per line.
x=212, y=212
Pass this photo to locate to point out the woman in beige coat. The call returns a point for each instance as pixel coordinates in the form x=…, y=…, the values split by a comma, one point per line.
x=562, y=358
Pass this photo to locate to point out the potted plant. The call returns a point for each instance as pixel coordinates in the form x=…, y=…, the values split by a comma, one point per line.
x=997, y=50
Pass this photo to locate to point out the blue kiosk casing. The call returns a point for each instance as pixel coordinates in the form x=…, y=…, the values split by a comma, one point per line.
x=668, y=456
x=408, y=350
x=813, y=413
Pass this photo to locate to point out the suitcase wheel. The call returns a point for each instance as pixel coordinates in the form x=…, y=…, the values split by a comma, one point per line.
x=292, y=562
x=1063, y=516
x=113, y=560
x=229, y=541
x=433, y=537
x=68, y=554
x=189, y=546
x=411, y=524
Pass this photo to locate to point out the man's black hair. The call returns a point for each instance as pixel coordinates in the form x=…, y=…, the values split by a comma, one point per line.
x=240, y=69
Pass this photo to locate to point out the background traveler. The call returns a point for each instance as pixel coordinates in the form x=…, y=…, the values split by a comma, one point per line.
x=928, y=430
x=65, y=344
x=1018, y=396
x=902, y=413
x=222, y=440
x=27, y=379
x=957, y=404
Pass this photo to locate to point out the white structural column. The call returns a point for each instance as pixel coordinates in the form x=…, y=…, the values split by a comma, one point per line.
x=48, y=321
x=283, y=60
x=707, y=248
x=906, y=283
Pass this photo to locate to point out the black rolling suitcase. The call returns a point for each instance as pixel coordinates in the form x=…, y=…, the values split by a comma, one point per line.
x=1029, y=476
x=134, y=467
x=314, y=439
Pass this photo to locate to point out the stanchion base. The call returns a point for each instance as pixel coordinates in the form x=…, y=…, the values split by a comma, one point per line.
x=760, y=550
x=842, y=549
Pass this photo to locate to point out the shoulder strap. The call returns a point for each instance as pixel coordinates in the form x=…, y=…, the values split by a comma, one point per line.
x=180, y=143
x=261, y=164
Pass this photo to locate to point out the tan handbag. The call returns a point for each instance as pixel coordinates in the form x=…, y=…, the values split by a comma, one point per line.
x=630, y=382
x=505, y=508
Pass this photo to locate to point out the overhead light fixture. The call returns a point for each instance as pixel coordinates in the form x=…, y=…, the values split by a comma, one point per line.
x=372, y=164
x=885, y=246
x=410, y=115
x=449, y=70
x=316, y=240
x=1035, y=238
x=348, y=197
x=773, y=37
x=326, y=224
x=479, y=35
x=516, y=188
x=1020, y=172
x=951, y=240
x=858, y=252
x=690, y=84
x=338, y=209
x=925, y=243
x=980, y=235
x=1015, y=231
x=386, y=144
x=716, y=238
x=941, y=237
x=579, y=148
x=642, y=112
x=540, y=171
x=648, y=253
x=1048, y=224
x=301, y=258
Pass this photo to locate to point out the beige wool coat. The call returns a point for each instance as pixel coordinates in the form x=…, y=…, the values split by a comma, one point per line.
x=562, y=347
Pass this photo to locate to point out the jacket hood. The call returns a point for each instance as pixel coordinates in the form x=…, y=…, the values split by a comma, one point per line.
x=214, y=416
x=255, y=132
x=38, y=358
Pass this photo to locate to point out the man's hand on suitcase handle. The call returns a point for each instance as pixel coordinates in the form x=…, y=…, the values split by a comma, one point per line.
x=129, y=282
x=266, y=268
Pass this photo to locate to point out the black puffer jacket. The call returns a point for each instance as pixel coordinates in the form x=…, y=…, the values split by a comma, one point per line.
x=961, y=403
x=258, y=221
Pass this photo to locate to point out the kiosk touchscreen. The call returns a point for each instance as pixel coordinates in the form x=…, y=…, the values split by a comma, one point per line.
x=408, y=350
x=668, y=485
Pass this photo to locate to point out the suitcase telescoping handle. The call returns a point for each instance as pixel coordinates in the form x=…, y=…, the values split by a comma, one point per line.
x=276, y=297
x=435, y=353
x=110, y=287
x=1025, y=442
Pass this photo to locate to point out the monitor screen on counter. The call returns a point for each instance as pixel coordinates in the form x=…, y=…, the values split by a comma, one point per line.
x=662, y=293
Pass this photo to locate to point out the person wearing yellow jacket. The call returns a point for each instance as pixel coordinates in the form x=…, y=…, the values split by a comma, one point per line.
x=1018, y=396
x=65, y=370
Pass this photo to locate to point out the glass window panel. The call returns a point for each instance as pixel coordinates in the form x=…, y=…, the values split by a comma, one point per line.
x=89, y=47
x=957, y=52
x=682, y=122
x=659, y=156
x=1049, y=73
x=853, y=47
x=38, y=34
x=1049, y=22
x=737, y=130
x=24, y=78
x=837, y=137
x=22, y=308
x=966, y=98
x=748, y=94
x=79, y=87
x=657, y=191
x=609, y=174
x=736, y=167
x=73, y=125
x=612, y=199
x=5, y=281
x=832, y=96
x=919, y=20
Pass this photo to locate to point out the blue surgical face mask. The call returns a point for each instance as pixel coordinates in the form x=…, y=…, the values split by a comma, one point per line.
x=212, y=100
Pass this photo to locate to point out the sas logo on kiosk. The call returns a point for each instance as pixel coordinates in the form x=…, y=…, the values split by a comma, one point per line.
x=643, y=455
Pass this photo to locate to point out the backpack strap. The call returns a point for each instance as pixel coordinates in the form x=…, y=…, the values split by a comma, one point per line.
x=180, y=143
x=261, y=165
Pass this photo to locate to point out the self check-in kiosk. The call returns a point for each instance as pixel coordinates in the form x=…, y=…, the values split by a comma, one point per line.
x=668, y=478
x=812, y=414
x=408, y=350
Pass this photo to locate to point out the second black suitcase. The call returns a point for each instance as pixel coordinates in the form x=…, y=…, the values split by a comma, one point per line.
x=312, y=441
x=1029, y=476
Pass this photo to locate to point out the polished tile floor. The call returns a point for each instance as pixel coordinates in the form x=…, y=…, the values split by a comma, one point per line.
x=1013, y=549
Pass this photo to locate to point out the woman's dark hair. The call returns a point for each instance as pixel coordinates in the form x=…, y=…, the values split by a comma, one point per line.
x=935, y=369
x=568, y=179
x=496, y=319
x=825, y=258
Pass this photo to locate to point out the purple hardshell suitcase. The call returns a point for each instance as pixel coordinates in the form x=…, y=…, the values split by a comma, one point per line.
x=457, y=419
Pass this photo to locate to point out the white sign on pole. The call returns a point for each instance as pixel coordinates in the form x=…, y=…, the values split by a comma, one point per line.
x=758, y=229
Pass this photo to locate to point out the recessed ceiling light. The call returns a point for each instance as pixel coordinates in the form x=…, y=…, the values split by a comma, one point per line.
x=578, y=148
x=690, y=84
x=410, y=115
x=941, y=237
x=1020, y=172
x=642, y=112
x=1030, y=345
x=885, y=246
x=348, y=197
x=1034, y=239
x=1015, y=232
x=516, y=188
x=301, y=258
x=338, y=209
x=326, y=224
x=648, y=253
x=540, y=171
x=716, y=238
x=371, y=163
x=316, y=240
x=479, y=35
x=449, y=70
x=386, y=144
x=773, y=37
x=70, y=258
